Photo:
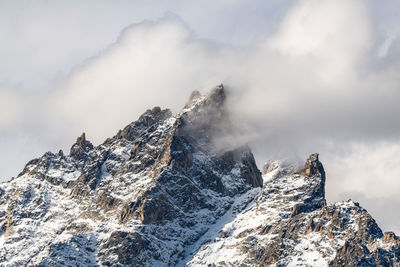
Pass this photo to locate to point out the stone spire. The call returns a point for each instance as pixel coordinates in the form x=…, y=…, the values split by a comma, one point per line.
x=81, y=147
x=313, y=166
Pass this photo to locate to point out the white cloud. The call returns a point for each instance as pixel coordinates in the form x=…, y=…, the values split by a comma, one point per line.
x=152, y=63
x=316, y=84
x=368, y=173
x=159, y=63
x=334, y=34
x=11, y=104
x=372, y=169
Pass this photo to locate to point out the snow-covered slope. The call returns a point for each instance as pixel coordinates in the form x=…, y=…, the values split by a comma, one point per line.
x=160, y=193
x=287, y=223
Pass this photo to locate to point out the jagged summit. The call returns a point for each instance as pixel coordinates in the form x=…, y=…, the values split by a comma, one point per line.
x=215, y=98
x=146, y=120
x=157, y=179
x=81, y=147
x=289, y=224
x=313, y=166
x=158, y=193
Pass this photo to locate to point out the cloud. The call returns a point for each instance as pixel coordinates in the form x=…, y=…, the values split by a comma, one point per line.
x=334, y=34
x=21, y=147
x=325, y=81
x=372, y=169
x=152, y=63
x=10, y=107
x=295, y=72
x=315, y=82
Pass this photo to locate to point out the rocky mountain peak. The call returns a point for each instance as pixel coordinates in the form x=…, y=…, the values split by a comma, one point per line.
x=154, y=115
x=157, y=194
x=81, y=147
x=82, y=142
x=205, y=120
x=314, y=167
x=284, y=167
x=194, y=96
x=210, y=104
x=290, y=224
x=148, y=119
x=216, y=97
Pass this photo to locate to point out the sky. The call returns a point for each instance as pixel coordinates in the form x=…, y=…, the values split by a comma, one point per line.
x=302, y=76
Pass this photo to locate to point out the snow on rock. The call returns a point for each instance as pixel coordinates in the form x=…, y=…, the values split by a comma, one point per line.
x=140, y=198
x=160, y=193
x=288, y=223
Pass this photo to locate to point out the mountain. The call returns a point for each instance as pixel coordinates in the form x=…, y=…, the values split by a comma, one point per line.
x=164, y=192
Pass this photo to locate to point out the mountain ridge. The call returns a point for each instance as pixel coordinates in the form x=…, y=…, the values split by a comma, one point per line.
x=159, y=193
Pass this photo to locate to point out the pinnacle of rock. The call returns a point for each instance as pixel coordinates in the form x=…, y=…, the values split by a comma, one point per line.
x=81, y=147
x=314, y=167
x=216, y=97
x=194, y=95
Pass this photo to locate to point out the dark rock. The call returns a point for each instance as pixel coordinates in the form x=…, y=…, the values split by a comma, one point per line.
x=313, y=167
x=152, y=208
x=81, y=147
x=249, y=169
x=390, y=237
x=216, y=97
x=125, y=246
x=145, y=121
x=165, y=181
x=353, y=253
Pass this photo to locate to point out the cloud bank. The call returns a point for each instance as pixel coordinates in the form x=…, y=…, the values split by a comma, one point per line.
x=327, y=80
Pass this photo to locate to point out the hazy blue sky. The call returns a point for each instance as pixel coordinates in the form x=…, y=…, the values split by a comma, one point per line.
x=303, y=76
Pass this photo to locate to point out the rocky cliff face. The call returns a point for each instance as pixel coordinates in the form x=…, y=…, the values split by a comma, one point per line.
x=288, y=223
x=162, y=193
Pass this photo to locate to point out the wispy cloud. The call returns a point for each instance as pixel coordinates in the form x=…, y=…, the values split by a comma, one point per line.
x=325, y=80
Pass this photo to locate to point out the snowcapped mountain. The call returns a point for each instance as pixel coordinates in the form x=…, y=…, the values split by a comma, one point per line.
x=162, y=193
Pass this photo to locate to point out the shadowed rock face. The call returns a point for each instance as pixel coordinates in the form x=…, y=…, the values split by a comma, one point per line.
x=289, y=224
x=164, y=192
x=127, y=246
x=81, y=147
x=160, y=178
x=184, y=156
x=313, y=166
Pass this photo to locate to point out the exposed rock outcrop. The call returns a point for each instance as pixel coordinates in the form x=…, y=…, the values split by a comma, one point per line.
x=81, y=147
x=164, y=191
x=313, y=166
x=160, y=178
x=289, y=224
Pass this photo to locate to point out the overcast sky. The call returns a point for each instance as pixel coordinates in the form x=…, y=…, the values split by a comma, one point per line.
x=302, y=77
